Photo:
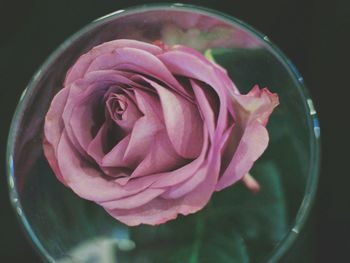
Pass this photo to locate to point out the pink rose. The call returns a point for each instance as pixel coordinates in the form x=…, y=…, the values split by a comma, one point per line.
x=149, y=131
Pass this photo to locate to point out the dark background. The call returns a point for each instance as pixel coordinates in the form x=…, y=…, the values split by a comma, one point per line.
x=311, y=33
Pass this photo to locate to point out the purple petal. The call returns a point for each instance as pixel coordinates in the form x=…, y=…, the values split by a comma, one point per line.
x=257, y=104
x=196, y=69
x=196, y=178
x=178, y=191
x=133, y=201
x=251, y=137
x=85, y=180
x=95, y=146
x=53, y=129
x=161, y=210
x=145, y=128
x=252, y=144
x=185, y=172
x=127, y=118
x=205, y=108
x=160, y=158
x=115, y=158
x=81, y=92
x=53, y=122
x=84, y=118
x=81, y=65
x=182, y=120
x=131, y=59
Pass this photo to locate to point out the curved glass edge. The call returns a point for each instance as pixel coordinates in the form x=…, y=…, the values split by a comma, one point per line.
x=314, y=132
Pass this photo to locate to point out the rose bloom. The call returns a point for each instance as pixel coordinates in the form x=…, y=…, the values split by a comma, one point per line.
x=149, y=131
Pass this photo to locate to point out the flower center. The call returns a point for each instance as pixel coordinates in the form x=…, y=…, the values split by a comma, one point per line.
x=116, y=105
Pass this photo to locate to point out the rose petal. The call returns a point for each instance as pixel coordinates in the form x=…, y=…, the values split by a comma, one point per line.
x=115, y=158
x=81, y=65
x=83, y=119
x=183, y=173
x=196, y=178
x=252, y=113
x=205, y=108
x=182, y=121
x=78, y=92
x=161, y=210
x=161, y=157
x=53, y=129
x=251, y=145
x=131, y=59
x=95, y=147
x=53, y=122
x=133, y=201
x=130, y=115
x=50, y=155
x=145, y=128
x=86, y=181
x=196, y=69
x=257, y=104
x=178, y=191
x=92, y=87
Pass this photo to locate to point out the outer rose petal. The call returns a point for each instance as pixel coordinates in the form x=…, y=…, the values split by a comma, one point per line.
x=53, y=122
x=115, y=158
x=133, y=201
x=196, y=69
x=86, y=181
x=183, y=188
x=161, y=210
x=205, y=108
x=79, y=68
x=53, y=129
x=252, y=113
x=49, y=152
x=178, y=191
x=251, y=145
x=182, y=121
x=257, y=104
x=153, y=163
x=139, y=61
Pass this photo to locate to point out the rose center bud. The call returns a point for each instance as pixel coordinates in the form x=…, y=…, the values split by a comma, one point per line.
x=116, y=106
x=122, y=110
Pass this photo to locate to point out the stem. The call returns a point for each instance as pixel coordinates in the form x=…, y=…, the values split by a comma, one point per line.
x=198, y=241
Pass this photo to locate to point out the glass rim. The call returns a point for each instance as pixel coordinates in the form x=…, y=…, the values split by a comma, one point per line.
x=314, y=130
